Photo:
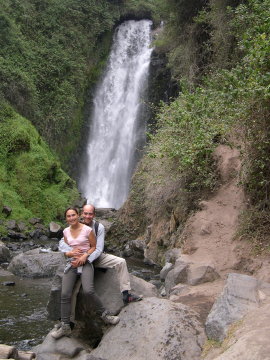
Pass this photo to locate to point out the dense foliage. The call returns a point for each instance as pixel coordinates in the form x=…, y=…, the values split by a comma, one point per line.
x=51, y=52
x=32, y=182
x=231, y=103
x=46, y=61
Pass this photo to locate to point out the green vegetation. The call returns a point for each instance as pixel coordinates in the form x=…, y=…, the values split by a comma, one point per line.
x=51, y=53
x=230, y=103
x=48, y=57
x=32, y=181
x=219, y=52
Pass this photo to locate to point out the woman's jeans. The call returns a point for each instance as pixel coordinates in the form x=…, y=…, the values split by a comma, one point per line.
x=68, y=282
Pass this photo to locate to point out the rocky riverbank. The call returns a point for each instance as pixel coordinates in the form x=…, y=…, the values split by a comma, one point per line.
x=200, y=306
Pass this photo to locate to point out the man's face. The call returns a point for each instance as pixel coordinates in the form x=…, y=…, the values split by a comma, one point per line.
x=88, y=214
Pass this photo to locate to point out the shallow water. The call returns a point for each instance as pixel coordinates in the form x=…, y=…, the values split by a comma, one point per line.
x=23, y=317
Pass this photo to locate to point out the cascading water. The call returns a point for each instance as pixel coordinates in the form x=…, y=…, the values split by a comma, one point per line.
x=117, y=130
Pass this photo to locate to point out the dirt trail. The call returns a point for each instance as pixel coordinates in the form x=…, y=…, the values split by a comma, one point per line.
x=209, y=235
x=210, y=232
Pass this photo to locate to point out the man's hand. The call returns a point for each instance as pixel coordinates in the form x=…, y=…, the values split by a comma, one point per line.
x=75, y=253
x=79, y=261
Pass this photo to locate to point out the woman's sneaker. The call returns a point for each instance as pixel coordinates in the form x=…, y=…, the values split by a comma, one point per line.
x=63, y=330
x=109, y=319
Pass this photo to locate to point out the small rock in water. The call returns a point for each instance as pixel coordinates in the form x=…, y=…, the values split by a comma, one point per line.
x=9, y=283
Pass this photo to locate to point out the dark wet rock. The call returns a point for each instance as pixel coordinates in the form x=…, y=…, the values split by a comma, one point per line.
x=13, y=246
x=43, y=238
x=34, y=221
x=4, y=253
x=42, y=228
x=127, y=252
x=11, y=225
x=55, y=231
x=16, y=235
x=54, y=247
x=7, y=210
x=21, y=226
x=36, y=234
x=5, y=238
x=9, y=283
x=55, y=239
x=149, y=262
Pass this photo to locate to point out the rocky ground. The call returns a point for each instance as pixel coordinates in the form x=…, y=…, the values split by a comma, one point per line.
x=211, y=300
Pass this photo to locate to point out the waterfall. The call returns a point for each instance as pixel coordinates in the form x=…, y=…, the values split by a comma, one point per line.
x=116, y=127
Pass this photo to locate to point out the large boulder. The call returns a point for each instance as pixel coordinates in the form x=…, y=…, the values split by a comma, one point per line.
x=107, y=287
x=153, y=329
x=186, y=272
x=250, y=340
x=36, y=263
x=201, y=273
x=62, y=349
x=241, y=294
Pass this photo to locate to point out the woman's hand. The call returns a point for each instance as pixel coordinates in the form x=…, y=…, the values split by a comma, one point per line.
x=79, y=261
x=76, y=253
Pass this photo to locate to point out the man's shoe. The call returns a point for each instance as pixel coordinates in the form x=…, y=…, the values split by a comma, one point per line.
x=64, y=330
x=128, y=298
x=110, y=319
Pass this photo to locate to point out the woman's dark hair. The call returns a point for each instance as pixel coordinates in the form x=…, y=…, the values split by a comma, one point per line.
x=71, y=208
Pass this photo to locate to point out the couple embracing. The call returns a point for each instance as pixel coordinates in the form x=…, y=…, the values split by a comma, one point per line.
x=83, y=246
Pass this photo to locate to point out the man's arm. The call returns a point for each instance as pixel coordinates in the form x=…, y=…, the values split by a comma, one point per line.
x=100, y=244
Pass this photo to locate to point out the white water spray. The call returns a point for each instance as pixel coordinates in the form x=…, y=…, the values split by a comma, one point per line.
x=116, y=128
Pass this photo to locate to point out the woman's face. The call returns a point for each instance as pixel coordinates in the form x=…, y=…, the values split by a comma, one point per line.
x=72, y=217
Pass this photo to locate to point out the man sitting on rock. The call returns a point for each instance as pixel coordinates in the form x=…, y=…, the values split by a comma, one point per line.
x=103, y=260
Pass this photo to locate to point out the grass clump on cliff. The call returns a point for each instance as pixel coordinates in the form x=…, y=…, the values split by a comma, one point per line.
x=32, y=182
